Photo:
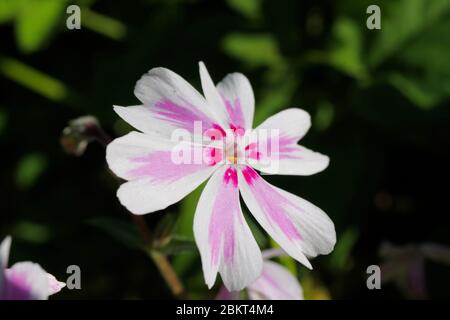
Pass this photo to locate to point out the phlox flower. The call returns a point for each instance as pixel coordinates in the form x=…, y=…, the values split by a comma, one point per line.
x=230, y=153
x=24, y=280
x=274, y=283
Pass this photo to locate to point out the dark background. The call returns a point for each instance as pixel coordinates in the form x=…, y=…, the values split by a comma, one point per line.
x=379, y=101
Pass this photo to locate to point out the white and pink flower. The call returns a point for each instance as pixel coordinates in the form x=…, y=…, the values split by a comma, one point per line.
x=24, y=280
x=230, y=151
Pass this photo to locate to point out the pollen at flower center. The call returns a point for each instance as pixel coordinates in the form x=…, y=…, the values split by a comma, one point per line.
x=234, y=151
x=231, y=153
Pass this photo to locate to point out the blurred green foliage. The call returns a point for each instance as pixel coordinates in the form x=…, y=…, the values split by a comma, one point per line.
x=379, y=101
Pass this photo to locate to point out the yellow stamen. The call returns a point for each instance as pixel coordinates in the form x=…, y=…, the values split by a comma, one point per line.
x=232, y=159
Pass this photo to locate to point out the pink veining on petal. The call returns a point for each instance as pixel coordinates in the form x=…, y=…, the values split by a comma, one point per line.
x=249, y=175
x=160, y=166
x=286, y=148
x=223, y=218
x=179, y=115
x=235, y=112
x=269, y=287
x=272, y=203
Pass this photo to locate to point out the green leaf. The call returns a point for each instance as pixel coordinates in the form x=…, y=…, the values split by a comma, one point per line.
x=324, y=116
x=276, y=95
x=178, y=245
x=183, y=229
x=123, y=231
x=104, y=25
x=249, y=8
x=430, y=51
x=32, y=232
x=253, y=49
x=8, y=9
x=185, y=220
x=33, y=79
x=344, y=245
x=36, y=21
x=346, y=54
x=403, y=22
x=29, y=169
x=164, y=229
x=425, y=94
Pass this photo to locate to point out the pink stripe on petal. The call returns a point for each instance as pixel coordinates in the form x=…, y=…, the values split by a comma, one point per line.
x=160, y=166
x=235, y=112
x=272, y=203
x=181, y=116
x=282, y=147
x=223, y=217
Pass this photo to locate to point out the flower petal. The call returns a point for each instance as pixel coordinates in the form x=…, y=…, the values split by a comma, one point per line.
x=169, y=102
x=216, y=104
x=298, y=226
x=4, y=255
x=224, y=294
x=223, y=237
x=161, y=172
x=273, y=148
x=237, y=94
x=292, y=122
x=4, y=252
x=275, y=283
x=54, y=286
x=25, y=281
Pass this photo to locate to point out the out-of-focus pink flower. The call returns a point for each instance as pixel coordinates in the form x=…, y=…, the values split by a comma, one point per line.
x=24, y=280
x=405, y=266
x=274, y=283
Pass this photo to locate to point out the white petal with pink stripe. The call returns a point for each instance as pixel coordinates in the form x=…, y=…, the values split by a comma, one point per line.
x=168, y=102
x=274, y=148
x=222, y=235
x=298, y=226
x=156, y=178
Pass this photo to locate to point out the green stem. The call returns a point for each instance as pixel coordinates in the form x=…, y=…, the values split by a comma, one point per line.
x=160, y=260
x=168, y=274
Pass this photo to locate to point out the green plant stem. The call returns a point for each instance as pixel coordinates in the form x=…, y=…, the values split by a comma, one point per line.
x=168, y=273
x=160, y=260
